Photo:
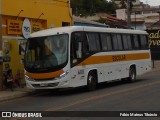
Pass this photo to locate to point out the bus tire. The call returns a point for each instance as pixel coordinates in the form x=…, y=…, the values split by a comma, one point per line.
x=91, y=81
x=132, y=74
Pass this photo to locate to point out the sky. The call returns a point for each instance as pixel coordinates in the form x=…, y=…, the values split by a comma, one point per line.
x=151, y=2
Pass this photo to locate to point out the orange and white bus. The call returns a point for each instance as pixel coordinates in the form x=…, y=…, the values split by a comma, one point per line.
x=84, y=56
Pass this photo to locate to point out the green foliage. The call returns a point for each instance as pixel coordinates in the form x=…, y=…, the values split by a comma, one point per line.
x=90, y=7
x=101, y=20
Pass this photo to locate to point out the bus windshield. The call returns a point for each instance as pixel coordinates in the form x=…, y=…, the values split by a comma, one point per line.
x=48, y=53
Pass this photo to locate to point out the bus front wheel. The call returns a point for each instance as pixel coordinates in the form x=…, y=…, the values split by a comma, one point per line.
x=91, y=81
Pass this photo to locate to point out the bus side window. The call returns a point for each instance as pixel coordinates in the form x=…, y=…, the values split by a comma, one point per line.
x=115, y=42
x=125, y=44
x=94, y=42
x=129, y=41
x=119, y=39
x=136, y=42
x=143, y=41
x=106, y=41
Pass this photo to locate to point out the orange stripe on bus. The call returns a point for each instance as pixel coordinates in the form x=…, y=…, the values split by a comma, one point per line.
x=41, y=76
x=114, y=58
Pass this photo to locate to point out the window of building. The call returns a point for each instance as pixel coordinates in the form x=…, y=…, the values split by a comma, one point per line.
x=139, y=12
x=155, y=11
x=65, y=24
x=146, y=12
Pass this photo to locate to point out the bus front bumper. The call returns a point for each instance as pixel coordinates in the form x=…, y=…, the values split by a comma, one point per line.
x=48, y=84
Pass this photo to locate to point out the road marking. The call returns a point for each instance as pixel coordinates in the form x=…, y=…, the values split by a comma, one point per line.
x=99, y=96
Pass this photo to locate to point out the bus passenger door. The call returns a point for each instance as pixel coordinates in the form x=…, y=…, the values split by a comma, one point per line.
x=78, y=54
x=77, y=71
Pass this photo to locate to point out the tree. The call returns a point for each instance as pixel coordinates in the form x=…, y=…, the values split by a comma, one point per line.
x=123, y=4
x=90, y=7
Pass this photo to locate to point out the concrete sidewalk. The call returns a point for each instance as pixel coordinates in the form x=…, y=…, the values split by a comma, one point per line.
x=156, y=65
x=7, y=94
x=21, y=92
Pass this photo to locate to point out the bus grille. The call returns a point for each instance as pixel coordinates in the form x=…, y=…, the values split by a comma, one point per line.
x=45, y=85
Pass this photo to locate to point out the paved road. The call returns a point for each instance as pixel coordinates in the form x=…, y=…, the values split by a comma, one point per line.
x=143, y=95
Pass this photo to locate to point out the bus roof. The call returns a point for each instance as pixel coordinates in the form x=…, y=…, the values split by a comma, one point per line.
x=69, y=29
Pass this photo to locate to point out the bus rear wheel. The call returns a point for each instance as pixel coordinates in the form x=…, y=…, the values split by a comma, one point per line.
x=91, y=81
x=132, y=74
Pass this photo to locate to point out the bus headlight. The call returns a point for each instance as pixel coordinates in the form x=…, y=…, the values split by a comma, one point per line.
x=27, y=77
x=63, y=74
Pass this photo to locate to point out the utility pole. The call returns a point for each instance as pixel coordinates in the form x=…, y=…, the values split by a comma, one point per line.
x=128, y=14
x=135, y=21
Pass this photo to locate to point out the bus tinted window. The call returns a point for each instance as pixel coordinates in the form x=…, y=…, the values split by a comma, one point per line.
x=136, y=42
x=129, y=41
x=115, y=42
x=143, y=40
x=124, y=39
x=93, y=40
x=119, y=38
x=106, y=41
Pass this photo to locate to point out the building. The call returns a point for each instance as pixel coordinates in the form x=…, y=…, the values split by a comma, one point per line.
x=139, y=25
x=149, y=15
x=156, y=25
x=135, y=3
x=140, y=12
x=105, y=19
x=19, y=19
x=113, y=22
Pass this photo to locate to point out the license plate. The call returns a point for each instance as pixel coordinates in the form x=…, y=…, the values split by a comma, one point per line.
x=43, y=84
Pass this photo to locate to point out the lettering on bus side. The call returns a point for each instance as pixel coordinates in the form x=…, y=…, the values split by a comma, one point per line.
x=119, y=57
x=80, y=72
